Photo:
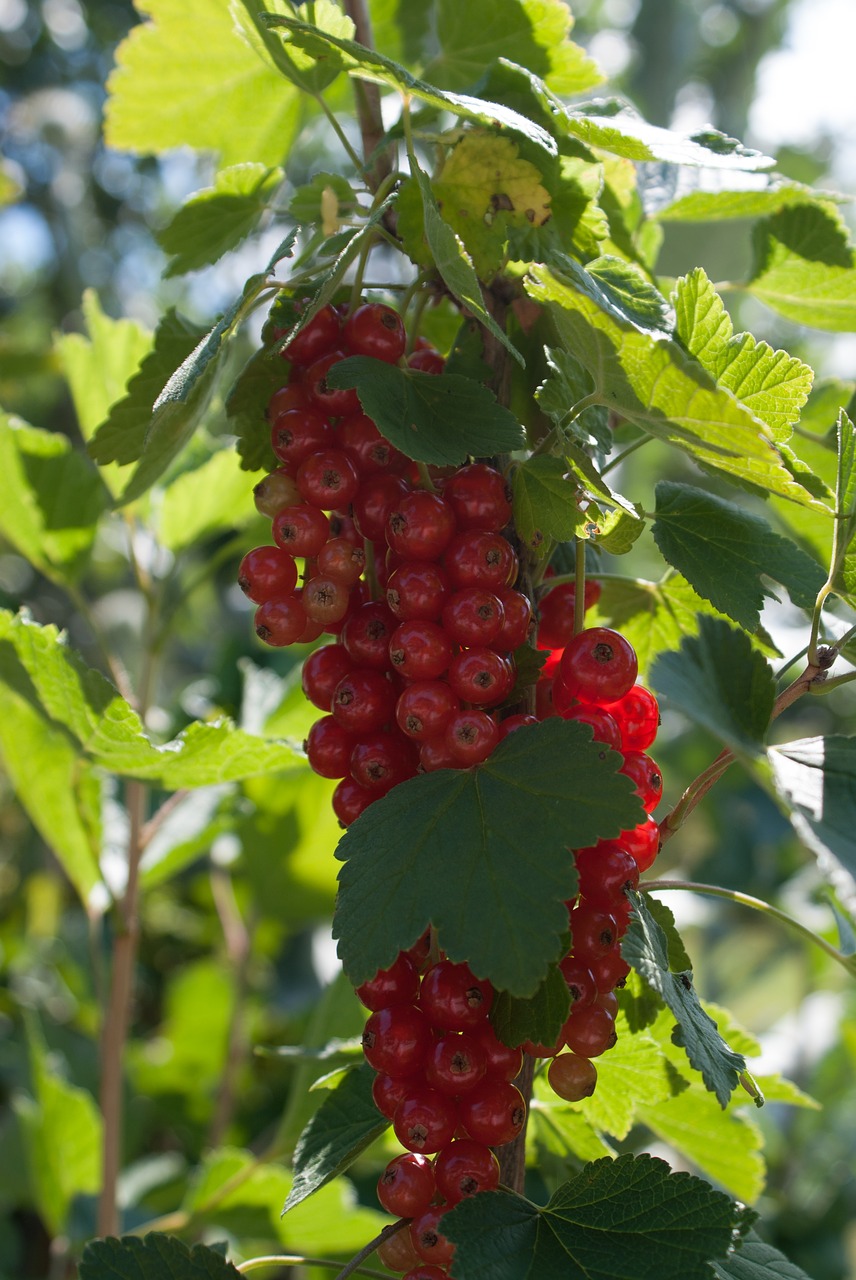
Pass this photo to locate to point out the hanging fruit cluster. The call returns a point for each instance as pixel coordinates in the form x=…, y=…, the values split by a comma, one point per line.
x=410, y=571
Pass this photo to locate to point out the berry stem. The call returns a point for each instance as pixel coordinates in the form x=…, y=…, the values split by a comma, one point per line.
x=625, y=453
x=297, y=1260
x=756, y=904
x=580, y=583
x=425, y=481
x=351, y=1267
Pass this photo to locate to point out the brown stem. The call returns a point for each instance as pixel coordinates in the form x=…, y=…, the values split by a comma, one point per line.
x=512, y=1157
x=238, y=950
x=117, y=1017
x=368, y=1250
x=699, y=788
x=368, y=102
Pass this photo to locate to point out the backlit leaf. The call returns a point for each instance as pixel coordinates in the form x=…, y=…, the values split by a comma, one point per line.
x=627, y=135
x=217, y=219
x=805, y=268
x=816, y=780
x=545, y=502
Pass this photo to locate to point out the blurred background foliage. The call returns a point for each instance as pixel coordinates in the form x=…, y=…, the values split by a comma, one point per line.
x=239, y=885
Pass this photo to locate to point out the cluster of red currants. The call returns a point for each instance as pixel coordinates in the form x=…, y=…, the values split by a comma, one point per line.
x=414, y=583
x=444, y=1079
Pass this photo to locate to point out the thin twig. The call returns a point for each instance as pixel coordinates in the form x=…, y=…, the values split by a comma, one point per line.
x=352, y=1267
x=368, y=102
x=297, y=1260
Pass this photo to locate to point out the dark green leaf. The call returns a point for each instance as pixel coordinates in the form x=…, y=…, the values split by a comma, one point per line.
x=805, y=267
x=717, y=680
x=724, y=552
x=537, y=1018
x=481, y=854
x=557, y=396
x=646, y=949
x=433, y=418
x=754, y=1259
x=246, y=405
x=816, y=780
x=217, y=219
x=545, y=502
x=343, y=1126
x=631, y=294
x=624, y=1219
x=678, y=958
x=52, y=499
x=154, y=1257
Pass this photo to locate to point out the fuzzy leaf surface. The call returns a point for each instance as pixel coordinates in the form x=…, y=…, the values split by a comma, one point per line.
x=645, y=948
x=173, y=88
x=816, y=780
x=343, y=1126
x=52, y=499
x=719, y=682
x=218, y=218
x=773, y=384
x=624, y=1219
x=481, y=854
x=434, y=418
x=534, y=33
x=723, y=551
x=654, y=383
x=757, y=1260
x=545, y=501
x=154, y=1257
x=805, y=268
x=538, y=1018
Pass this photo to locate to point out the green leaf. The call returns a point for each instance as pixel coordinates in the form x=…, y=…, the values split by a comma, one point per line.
x=246, y=407
x=560, y=1128
x=367, y=64
x=435, y=418
x=214, y=497
x=815, y=778
x=231, y=1187
x=678, y=958
x=481, y=854
x=545, y=502
x=717, y=680
x=61, y=1127
x=537, y=1018
x=194, y=76
x=845, y=501
x=186, y=833
x=624, y=1219
x=631, y=1075
x=805, y=268
x=652, y=382
x=154, y=1257
x=715, y=206
x=557, y=396
x=218, y=218
x=724, y=551
x=645, y=948
x=655, y=616
x=313, y=201
x=453, y=263
x=52, y=499
x=773, y=384
x=631, y=295
x=629, y=136
x=343, y=1126
x=754, y=1259
x=534, y=33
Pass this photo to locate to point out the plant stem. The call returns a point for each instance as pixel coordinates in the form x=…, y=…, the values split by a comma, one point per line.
x=237, y=937
x=580, y=585
x=756, y=904
x=367, y=97
x=339, y=132
x=297, y=1260
x=625, y=453
x=512, y=1157
x=352, y=1267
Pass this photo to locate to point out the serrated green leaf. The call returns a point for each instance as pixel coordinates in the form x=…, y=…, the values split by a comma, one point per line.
x=368, y=64
x=555, y=1126
x=815, y=779
x=311, y=72
x=557, y=396
x=645, y=948
x=630, y=1075
x=218, y=218
x=635, y=139
x=773, y=384
x=435, y=418
x=678, y=958
x=481, y=854
x=545, y=502
x=752, y=202
x=53, y=498
x=653, y=383
x=453, y=263
x=171, y=88
x=754, y=1259
x=343, y=1126
x=246, y=405
x=724, y=551
x=537, y=1018
x=62, y=1131
x=624, y=1219
x=155, y=1257
x=232, y=1188
x=532, y=32
x=720, y=683
x=805, y=267
x=213, y=497
x=617, y=532
x=314, y=201
x=631, y=295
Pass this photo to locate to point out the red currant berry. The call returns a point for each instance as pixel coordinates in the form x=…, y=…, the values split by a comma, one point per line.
x=363, y=701
x=398, y=1253
x=326, y=600
x=328, y=748
x=421, y=526
x=331, y=401
x=277, y=490
x=267, y=572
x=420, y=650
x=328, y=479
x=572, y=1077
x=643, y=843
x=387, y=1092
x=480, y=676
x=605, y=871
x=516, y=623
x=479, y=497
x=580, y=980
x=556, y=612
x=593, y=931
x=434, y=755
x=366, y=447
x=477, y=559
x=416, y=591
x=501, y=1060
x=518, y=721
x=473, y=616
x=291, y=396
x=340, y=559
x=322, y=671
x=375, y=499
x=367, y=633
x=464, y=1168
x=377, y=331
x=589, y=1031
x=424, y=1120
x=603, y=727
x=349, y=800
x=426, y=361
x=424, y=709
x=638, y=718
x=297, y=433
x=470, y=737
x=301, y=531
x=426, y=1233
x=452, y=998
x=642, y=771
x=609, y=971
x=396, y=1040
x=280, y=622
x=399, y=984
x=381, y=760
x=598, y=665
x=406, y=1186
x=320, y=335
x=494, y=1112
x=455, y=1063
